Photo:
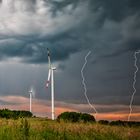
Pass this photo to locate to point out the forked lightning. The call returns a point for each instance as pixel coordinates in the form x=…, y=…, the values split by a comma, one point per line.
x=134, y=83
x=84, y=85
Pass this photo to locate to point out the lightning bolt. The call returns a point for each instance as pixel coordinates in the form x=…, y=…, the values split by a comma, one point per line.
x=134, y=83
x=84, y=85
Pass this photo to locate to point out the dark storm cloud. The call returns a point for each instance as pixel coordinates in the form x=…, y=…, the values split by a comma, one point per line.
x=116, y=10
x=125, y=14
x=60, y=5
x=55, y=36
x=110, y=29
x=103, y=25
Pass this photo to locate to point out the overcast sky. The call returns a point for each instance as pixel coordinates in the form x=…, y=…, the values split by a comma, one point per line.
x=70, y=28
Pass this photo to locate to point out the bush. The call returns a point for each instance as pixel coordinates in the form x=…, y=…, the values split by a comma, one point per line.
x=119, y=122
x=86, y=117
x=69, y=116
x=75, y=117
x=103, y=122
x=5, y=113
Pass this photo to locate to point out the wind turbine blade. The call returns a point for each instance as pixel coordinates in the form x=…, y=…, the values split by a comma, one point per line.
x=49, y=59
x=49, y=76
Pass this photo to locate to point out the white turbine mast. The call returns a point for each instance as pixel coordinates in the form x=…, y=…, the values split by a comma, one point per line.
x=51, y=77
x=30, y=93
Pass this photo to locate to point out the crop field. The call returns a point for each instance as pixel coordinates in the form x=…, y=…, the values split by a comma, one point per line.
x=43, y=129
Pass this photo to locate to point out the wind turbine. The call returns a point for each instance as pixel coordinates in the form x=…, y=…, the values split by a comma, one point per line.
x=30, y=93
x=51, y=76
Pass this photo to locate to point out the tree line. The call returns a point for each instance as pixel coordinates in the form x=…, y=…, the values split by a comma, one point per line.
x=83, y=117
x=14, y=114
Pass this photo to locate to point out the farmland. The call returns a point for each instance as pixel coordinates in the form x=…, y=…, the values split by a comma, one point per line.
x=43, y=129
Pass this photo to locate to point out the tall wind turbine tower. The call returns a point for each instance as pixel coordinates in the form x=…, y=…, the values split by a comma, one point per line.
x=30, y=93
x=51, y=76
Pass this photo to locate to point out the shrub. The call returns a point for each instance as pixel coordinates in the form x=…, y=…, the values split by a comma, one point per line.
x=119, y=122
x=75, y=117
x=103, y=122
x=86, y=117
x=5, y=113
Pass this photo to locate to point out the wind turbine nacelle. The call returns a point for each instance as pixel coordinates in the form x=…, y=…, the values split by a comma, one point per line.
x=53, y=68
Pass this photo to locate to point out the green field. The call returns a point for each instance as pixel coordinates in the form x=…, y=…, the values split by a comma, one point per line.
x=42, y=129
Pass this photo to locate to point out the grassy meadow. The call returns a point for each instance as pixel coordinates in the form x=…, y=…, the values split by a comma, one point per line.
x=42, y=129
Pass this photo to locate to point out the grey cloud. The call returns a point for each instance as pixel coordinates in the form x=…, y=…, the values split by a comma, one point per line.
x=110, y=29
x=102, y=28
x=116, y=10
x=35, y=28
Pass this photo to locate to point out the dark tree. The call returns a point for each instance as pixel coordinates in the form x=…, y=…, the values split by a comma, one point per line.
x=103, y=122
x=5, y=113
x=86, y=117
x=76, y=117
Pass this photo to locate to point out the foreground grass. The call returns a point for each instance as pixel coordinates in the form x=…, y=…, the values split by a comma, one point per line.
x=41, y=129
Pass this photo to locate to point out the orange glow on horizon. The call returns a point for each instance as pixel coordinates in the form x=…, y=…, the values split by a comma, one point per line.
x=42, y=108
